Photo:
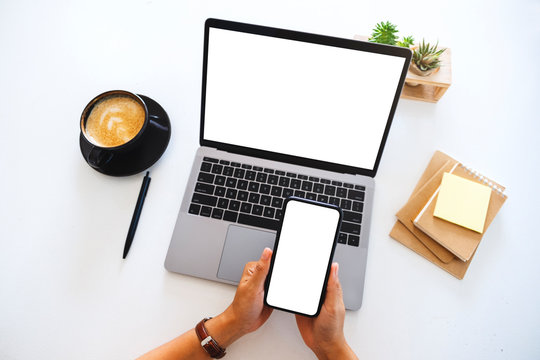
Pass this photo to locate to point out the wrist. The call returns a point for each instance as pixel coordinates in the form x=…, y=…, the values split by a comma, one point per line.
x=224, y=329
x=337, y=350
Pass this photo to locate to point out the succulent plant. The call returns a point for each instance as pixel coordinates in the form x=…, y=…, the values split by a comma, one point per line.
x=407, y=41
x=426, y=56
x=385, y=33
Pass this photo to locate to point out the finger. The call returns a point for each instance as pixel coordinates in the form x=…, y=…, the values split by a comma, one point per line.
x=334, y=294
x=254, y=268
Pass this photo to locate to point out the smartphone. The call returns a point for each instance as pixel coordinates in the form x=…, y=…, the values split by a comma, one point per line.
x=302, y=256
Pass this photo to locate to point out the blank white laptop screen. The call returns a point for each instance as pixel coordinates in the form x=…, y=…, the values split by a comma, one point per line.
x=296, y=98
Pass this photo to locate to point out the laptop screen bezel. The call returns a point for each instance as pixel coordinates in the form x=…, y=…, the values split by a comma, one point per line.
x=310, y=38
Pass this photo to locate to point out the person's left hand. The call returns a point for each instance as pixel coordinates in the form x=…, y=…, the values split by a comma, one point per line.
x=247, y=312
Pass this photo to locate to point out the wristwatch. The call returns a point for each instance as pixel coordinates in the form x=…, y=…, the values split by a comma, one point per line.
x=207, y=342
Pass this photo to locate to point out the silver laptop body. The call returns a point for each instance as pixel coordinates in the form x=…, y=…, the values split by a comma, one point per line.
x=284, y=113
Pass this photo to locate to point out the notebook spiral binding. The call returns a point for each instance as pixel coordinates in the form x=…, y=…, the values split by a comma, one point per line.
x=484, y=180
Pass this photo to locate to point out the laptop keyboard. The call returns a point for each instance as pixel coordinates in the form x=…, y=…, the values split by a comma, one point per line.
x=252, y=195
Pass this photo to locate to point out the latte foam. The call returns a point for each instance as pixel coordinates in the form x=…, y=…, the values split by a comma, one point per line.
x=114, y=121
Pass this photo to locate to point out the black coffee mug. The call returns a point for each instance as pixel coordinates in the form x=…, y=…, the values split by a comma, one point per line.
x=123, y=133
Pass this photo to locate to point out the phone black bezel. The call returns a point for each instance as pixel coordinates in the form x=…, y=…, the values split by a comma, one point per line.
x=330, y=258
x=402, y=52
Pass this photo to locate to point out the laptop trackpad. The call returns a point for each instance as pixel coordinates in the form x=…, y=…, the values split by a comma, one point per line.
x=242, y=245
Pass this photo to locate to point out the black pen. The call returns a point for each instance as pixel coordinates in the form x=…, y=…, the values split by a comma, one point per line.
x=137, y=213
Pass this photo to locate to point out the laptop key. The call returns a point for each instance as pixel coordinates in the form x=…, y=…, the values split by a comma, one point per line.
x=224, y=162
x=269, y=212
x=254, y=198
x=206, y=177
x=250, y=175
x=296, y=184
x=262, y=222
x=276, y=191
x=220, y=191
x=235, y=164
x=266, y=200
x=349, y=186
x=223, y=203
x=357, y=206
x=360, y=187
x=279, y=214
x=277, y=202
x=242, y=185
x=350, y=228
x=265, y=189
x=231, y=182
x=242, y=196
x=269, y=171
x=209, y=159
x=253, y=187
x=330, y=190
x=206, y=166
x=234, y=205
x=287, y=193
x=230, y=216
x=204, y=199
x=307, y=185
x=257, y=168
x=273, y=179
x=217, y=169
x=311, y=196
x=261, y=177
x=246, y=166
x=194, y=209
x=342, y=239
x=318, y=188
x=341, y=192
x=352, y=217
x=217, y=213
x=356, y=195
x=300, y=194
x=337, y=183
x=291, y=175
x=257, y=210
x=322, y=198
x=228, y=171
x=346, y=204
x=334, y=201
x=206, y=211
x=280, y=173
x=284, y=181
x=245, y=207
x=302, y=177
x=231, y=193
x=239, y=173
x=204, y=188
x=219, y=180
x=354, y=240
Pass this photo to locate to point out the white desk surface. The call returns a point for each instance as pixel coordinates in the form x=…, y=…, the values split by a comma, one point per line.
x=66, y=293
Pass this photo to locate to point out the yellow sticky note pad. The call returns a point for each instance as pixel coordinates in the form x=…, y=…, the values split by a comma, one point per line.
x=463, y=202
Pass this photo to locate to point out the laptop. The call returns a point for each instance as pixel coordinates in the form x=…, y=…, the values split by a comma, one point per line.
x=284, y=113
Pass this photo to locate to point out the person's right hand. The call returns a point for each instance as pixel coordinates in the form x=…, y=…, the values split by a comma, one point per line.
x=324, y=334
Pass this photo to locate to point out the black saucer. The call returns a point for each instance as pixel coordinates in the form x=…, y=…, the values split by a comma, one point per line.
x=152, y=145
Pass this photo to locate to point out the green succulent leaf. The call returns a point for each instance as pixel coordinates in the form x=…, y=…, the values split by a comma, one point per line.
x=427, y=56
x=384, y=33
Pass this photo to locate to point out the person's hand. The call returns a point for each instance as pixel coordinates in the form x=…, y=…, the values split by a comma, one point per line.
x=324, y=334
x=247, y=311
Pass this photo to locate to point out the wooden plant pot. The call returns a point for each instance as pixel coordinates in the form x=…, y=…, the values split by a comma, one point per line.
x=428, y=88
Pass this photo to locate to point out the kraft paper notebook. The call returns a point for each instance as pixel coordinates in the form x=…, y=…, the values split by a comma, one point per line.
x=407, y=234
x=460, y=241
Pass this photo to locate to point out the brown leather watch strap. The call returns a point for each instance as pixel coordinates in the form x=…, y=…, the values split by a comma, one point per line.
x=207, y=342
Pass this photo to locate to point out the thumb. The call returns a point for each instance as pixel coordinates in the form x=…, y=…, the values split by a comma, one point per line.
x=261, y=267
x=334, y=293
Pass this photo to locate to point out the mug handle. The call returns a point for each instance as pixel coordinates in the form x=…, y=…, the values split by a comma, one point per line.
x=97, y=157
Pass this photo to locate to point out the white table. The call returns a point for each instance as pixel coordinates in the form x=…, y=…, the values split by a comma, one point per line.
x=66, y=293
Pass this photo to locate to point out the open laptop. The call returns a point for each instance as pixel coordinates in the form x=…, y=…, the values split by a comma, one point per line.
x=284, y=113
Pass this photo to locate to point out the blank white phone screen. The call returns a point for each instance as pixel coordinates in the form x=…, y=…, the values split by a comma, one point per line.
x=302, y=257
